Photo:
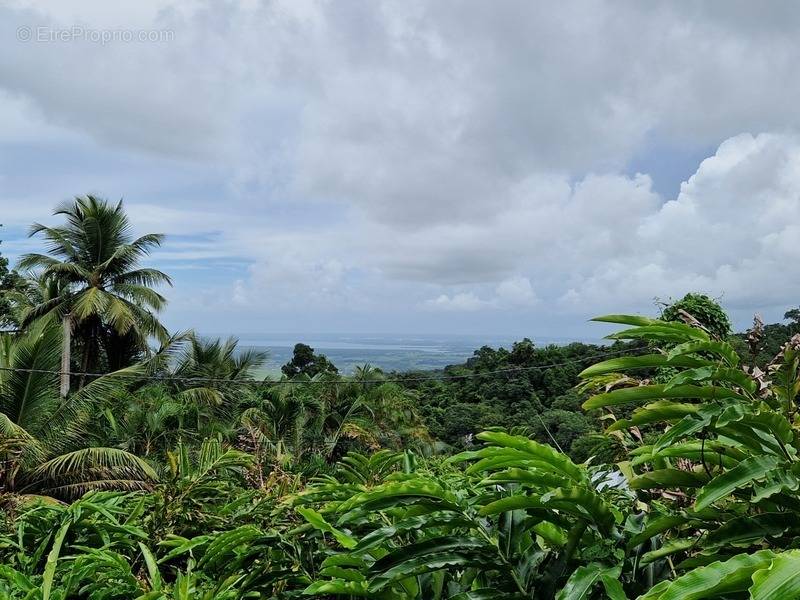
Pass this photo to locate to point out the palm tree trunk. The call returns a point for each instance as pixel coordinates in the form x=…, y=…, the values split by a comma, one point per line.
x=65, y=350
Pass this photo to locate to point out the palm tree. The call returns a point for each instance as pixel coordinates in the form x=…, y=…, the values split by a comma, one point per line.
x=46, y=443
x=364, y=411
x=272, y=429
x=203, y=375
x=105, y=296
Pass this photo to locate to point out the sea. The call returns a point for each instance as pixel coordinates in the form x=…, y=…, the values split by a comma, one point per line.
x=389, y=352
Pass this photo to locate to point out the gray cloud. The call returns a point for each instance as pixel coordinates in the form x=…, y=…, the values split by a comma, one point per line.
x=406, y=154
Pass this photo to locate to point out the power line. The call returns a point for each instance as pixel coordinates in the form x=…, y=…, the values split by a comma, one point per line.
x=196, y=380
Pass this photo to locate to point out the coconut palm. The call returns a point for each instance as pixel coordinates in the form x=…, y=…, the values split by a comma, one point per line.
x=364, y=412
x=272, y=429
x=201, y=379
x=45, y=442
x=105, y=296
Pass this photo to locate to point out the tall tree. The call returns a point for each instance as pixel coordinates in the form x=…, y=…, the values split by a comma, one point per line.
x=106, y=299
x=305, y=361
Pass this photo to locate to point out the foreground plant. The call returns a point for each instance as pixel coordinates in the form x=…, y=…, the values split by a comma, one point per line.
x=46, y=443
x=718, y=473
x=523, y=521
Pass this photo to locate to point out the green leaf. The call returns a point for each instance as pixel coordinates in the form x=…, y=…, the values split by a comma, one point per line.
x=536, y=451
x=743, y=474
x=579, y=502
x=658, y=391
x=749, y=529
x=714, y=580
x=721, y=349
x=655, y=412
x=667, y=478
x=337, y=587
x=583, y=579
x=613, y=587
x=627, y=320
x=319, y=522
x=685, y=427
x=396, y=492
x=667, y=549
x=52, y=560
x=779, y=581
x=426, y=522
x=662, y=331
x=710, y=452
x=152, y=567
x=431, y=555
x=655, y=525
x=528, y=478
x=646, y=361
x=487, y=594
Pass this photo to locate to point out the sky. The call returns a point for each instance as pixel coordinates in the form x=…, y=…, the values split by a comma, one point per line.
x=463, y=167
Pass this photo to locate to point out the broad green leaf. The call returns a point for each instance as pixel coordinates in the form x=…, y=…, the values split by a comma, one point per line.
x=667, y=478
x=655, y=525
x=656, y=412
x=338, y=588
x=685, y=427
x=777, y=482
x=388, y=494
x=713, y=581
x=749, y=470
x=527, y=477
x=613, y=587
x=152, y=567
x=749, y=529
x=721, y=349
x=431, y=555
x=536, y=451
x=708, y=452
x=426, y=522
x=645, y=393
x=319, y=522
x=662, y=331
x=487, y=594
x=627, y=320
x=579, y=502
x=52, y=560
x=646, y=361
x=779, y=581
x=583, y=579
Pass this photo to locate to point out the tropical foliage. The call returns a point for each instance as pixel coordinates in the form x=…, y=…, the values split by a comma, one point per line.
x=663, y=466
x=103, y=292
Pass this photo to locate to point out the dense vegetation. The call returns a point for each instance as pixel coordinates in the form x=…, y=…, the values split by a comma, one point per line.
x=661, y=467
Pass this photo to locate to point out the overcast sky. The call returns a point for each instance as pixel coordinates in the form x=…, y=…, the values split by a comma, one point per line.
x=466, y=167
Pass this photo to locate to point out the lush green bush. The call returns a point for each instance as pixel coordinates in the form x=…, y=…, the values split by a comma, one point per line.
x=701, y=309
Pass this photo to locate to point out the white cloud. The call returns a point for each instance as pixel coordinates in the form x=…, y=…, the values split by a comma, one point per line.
x=516, y=292
x=464, y=301
x=730, y=232
x=394, y=156
x=513, y=293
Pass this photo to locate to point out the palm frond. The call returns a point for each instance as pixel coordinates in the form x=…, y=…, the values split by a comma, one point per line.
x=91, y=462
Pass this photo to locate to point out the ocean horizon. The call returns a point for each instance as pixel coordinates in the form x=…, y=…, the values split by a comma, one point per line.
x=389, y=352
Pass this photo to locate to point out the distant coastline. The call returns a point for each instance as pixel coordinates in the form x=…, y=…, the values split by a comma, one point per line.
x=389, y=352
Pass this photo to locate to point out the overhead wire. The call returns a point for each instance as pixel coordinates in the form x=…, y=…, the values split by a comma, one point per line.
x=266, y=381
